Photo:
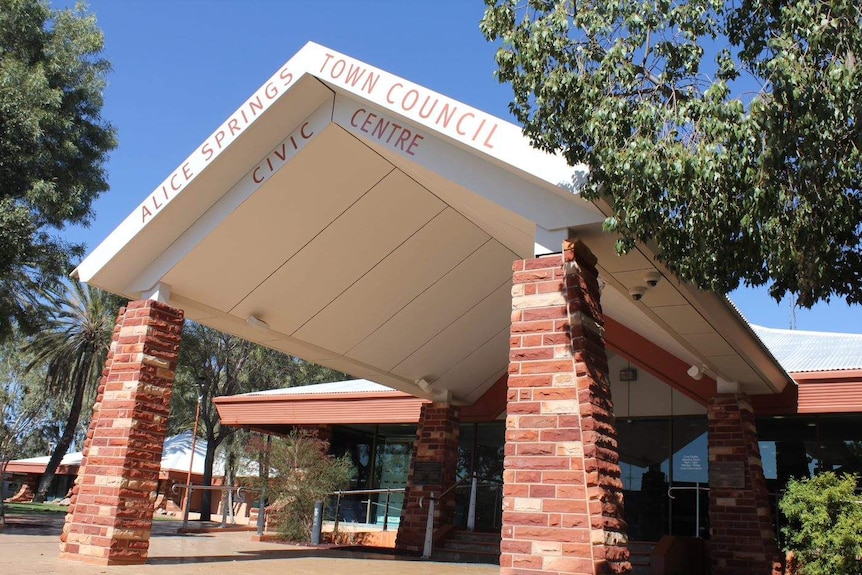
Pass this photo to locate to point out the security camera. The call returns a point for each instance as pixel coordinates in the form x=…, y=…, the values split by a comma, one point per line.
x=637, y=292
x=651, y=278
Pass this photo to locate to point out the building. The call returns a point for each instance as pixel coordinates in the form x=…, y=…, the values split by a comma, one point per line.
x=363, y=222
x=23, y=475
x=663, y=460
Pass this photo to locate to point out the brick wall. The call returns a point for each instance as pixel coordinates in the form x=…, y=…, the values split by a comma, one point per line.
x=111, y=513
x=742, y=539
x=562, y=507
x=436, y=447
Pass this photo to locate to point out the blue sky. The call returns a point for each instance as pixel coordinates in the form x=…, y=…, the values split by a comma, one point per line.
x=180, y=67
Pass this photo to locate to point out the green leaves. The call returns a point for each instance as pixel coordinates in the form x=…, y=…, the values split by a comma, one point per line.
x=824, y=528
x=53, y=143
x=727, y=134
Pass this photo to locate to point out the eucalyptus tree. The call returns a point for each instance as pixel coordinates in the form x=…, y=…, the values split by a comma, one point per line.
x=725, y=132
x=214, y=364
x=72, y=347
x=53, y=147
x=23, y=410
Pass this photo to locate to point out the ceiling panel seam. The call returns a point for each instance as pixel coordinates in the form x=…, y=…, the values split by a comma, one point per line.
x=305, y=245
x=375, y=266
x=430, y=286
x=454, y=321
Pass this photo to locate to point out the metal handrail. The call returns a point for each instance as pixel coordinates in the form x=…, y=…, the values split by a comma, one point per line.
x=458, y=484
x=388, y=491
x=471, y=509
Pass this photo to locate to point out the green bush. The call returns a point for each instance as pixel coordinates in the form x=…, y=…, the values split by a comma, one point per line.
x=824, y=524
x=302, y=472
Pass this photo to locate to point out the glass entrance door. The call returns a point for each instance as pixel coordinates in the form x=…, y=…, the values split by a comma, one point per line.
x=663, y=463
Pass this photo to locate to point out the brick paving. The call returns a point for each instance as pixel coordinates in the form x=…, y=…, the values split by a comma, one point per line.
x=30, y=546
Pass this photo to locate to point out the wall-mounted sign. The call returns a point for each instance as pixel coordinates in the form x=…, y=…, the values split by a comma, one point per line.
x=427, y=473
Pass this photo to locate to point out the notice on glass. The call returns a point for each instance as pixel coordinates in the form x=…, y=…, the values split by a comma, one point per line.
x=690, y=462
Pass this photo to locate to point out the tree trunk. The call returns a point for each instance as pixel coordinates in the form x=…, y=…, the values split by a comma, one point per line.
x=3, y=463
x=62, y=445
x=206, y=496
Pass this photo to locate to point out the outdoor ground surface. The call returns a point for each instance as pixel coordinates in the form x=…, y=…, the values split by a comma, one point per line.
x=29, y=545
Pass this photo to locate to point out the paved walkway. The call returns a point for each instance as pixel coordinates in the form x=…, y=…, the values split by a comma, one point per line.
x=30, y=545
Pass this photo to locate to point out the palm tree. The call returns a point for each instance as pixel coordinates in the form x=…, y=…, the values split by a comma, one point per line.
x=73, y=347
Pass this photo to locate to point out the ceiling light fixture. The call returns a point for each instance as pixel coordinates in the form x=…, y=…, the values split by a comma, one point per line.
x=256, y=322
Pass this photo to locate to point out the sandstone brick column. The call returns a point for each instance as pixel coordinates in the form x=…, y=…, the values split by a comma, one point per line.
x=111, y=514
x=742, y=538
x=432, y=470
x=562, y=505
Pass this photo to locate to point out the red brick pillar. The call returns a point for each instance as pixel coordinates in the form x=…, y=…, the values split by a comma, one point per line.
x=432, y=471
x=742, y=538
x=111, y=513
x=563, y=503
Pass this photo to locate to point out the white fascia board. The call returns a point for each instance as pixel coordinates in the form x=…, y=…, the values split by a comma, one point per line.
x=500, y=141
x=439, y=114
x=256, y=177
x=155, y=203
x=472, y=172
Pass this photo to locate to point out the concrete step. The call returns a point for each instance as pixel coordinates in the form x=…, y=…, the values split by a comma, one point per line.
x=639, y=556
x=469, y=547
x=457, y=545
x=455, y=556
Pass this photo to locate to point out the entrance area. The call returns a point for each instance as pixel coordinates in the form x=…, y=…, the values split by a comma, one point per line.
x=664, y=465
x=380, y=454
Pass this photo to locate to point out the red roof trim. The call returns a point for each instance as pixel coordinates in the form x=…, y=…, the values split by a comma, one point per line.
x=660, y=363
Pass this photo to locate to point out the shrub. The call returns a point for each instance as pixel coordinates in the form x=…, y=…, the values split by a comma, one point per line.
x=301, y=473
x=824, y=524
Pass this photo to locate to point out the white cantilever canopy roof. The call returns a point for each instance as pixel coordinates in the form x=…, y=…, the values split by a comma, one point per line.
x=358, y=220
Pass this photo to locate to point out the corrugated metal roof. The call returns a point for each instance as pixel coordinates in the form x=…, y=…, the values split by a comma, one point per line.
x=176, y=456
x=800, y=351
x=350, y=386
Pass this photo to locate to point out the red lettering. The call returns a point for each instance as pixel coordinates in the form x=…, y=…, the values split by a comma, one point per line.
x=367, y=121
x=302, y=132
x=207, y=151
x=380, y=129
x=293, y=143
x=233, y=124
x=422, y=112
x=340, y=71
x=174, y=186
x=414, y=143
x=156, y=205
x=404, y=104
x=165, y=191
x=353, y=117
x=354, y=75
x=325, y=62
x=402, y=139
x=271, y=90
x=461, y=119
x=254, y=176
x=487, y=143
x=395, y=128
x=286, y=76
x=479, y=129
x=187, y=172
x=269, y=163
x=145, y=213
x=244, y=117
x=370, y=82
x=255, y=105
x=446, y=119
x=389, y=93
x=219, y=137
x=283, y=155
